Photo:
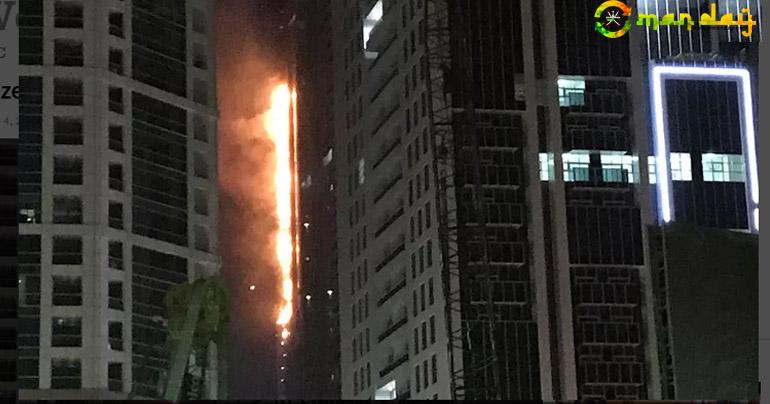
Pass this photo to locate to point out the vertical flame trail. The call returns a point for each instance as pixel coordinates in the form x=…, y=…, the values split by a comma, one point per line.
x=279, y=127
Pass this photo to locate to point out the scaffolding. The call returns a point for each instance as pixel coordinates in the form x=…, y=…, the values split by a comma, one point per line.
x=472, y=354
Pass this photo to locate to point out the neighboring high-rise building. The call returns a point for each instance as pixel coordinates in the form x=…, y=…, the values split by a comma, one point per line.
x=117, y=189
x=8, y=277
x=496, y=196
x=313, y=370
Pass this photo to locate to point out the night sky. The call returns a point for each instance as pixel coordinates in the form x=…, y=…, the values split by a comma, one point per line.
x=252, y=39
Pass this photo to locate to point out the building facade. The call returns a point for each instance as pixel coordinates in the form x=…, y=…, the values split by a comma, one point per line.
x=313, y=366
x=496, y=190
x=117, y=189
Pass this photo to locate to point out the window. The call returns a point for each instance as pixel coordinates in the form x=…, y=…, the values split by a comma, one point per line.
x=571, y=91
x=422, y=297
x=424, y=330
x=116, y=138
x=429, y=253
x=67, y=210
x=431, y=298
x=199, y=21
x=116, y=177
x=116, y=100
x=67, y=130
x=200, y=128
x=432, y=330
x=723, y=168
x=115, y=331
x=547, y=172
x=200, y=92
x=426, y=177
x=115, y=295
x=434, y=369
x=115, y=376
x=67, y=291
x=116, y=215
x=386, y=392
x=201, y=198
x=201, y=238
x=65, y=374
x=620, y=168
x=67, y=250
x=576, y=166
x=68, y=14
x=115, y=259
x=417, y=377
x=428, y=218
x=414, y=303
x=116, y=61
x=116, y=24
x=68, y=170
x=201, y=167
x=68, y=52
x=67, y=91
x=681, y=167
x=66, y=332
x=653, y=170
x=416, y=333
x=199, y=56
x=371, y=21
x=425, y=373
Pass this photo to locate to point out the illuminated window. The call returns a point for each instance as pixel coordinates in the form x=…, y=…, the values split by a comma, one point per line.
x=618, y=167
x=723, y=168
x=370, y=22
x=681, y=167
x=653, y=170
x=572, y=91
x=576, y=164
x=386, y=392
x=361, y=175
x=547, y=172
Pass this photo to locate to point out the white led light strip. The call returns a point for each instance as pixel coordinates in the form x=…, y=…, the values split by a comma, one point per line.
x=743, y=77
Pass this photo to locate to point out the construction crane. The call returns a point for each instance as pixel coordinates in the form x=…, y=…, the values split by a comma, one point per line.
x=198, y=314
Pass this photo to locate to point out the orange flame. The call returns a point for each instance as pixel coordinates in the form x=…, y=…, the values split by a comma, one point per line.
x=279, y=125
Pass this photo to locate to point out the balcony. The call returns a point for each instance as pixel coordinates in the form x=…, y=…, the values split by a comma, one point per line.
x=389, y=221
x=388, y=187
x=392, y=292
x=394, y=365
x=391, y=256
x=392, y=327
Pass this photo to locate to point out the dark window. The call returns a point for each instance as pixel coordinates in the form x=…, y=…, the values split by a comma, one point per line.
x=199, y=21
x=67, y=130
x=67, y=210
x=65, y=374
x=116, y=215
x=67, y=250
x=115, y=260
x=200, y=60
x=200, y=128
x=115, y=330
x=30, y=32
x=115, y=295
x=66, y=332
x=116, y=177
x=116, y=100
x=116, y=138
x=160, y=63
x=68, y=14
x=115, y=376
x=116, y=61
x=67, y=291
x=68, y=52
x=67, y=92
x=116, y=24
x=68, y=170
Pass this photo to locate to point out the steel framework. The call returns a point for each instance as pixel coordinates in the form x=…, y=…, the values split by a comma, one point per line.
x=471, y=333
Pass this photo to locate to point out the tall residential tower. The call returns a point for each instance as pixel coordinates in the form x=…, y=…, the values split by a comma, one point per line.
x=117, y=189
x=496, y=193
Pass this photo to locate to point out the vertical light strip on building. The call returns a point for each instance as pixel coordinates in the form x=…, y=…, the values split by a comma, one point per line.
x=743, y=77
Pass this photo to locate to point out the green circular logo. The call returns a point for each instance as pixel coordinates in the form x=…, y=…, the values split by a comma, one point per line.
x=613, y=19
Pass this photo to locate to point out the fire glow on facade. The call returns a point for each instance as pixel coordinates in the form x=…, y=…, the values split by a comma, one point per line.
x=280, y=125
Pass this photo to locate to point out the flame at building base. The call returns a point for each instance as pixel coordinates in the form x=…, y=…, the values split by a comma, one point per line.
x=280, y=125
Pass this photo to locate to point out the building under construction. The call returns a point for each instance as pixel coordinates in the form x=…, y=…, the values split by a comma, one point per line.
x=494, y=202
